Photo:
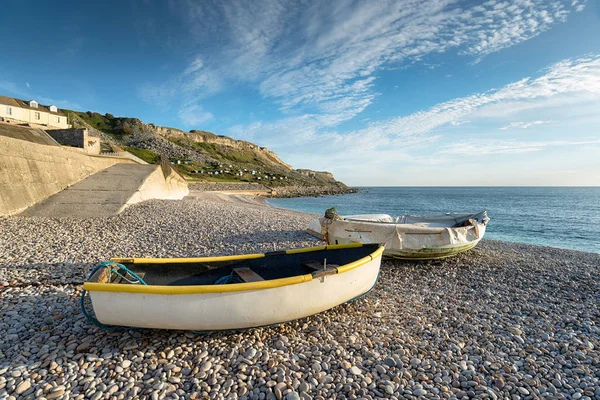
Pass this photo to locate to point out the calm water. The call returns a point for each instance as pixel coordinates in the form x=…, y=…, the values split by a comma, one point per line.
x=565, y=217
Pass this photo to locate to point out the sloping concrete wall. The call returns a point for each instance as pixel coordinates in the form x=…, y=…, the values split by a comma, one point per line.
x=110, y=191
x=163, y=183
x=31, y=172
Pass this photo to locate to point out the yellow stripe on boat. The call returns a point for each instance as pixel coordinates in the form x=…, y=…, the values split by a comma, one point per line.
x=362, y=261
x=234, y=287
x=327, y=247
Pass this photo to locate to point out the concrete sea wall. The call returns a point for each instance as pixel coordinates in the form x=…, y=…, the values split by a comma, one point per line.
x=164, y=183
x=31, y=172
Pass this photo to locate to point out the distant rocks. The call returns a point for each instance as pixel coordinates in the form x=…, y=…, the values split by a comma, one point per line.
x=311, y=191
x=219, y=186
x=277, y=191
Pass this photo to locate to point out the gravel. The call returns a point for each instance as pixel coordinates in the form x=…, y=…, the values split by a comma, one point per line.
x=503, y=320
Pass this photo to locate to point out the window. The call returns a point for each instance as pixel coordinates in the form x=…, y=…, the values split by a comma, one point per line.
x=57, y=120
x=36, y=115
x=8, y=111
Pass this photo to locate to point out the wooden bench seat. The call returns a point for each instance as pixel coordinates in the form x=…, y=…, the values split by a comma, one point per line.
x=330, y=269
x=247, y=275
x=318, y=266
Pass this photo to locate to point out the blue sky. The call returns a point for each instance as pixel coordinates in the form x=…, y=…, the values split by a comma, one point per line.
x=436, y=92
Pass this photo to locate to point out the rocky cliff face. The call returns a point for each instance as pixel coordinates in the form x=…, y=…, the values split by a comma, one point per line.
x=198, y=136
x=321, y=175
x=203, y=147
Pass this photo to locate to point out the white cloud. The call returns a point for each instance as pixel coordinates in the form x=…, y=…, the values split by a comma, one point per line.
x=573, y=77
x=28, y=85
x=194, y=66
x=568, y=78
x=524, y=125
x=489, y=147
x=193, y=115
x=194, y=83
x=323, y=58
x=311, y=139
x=579, y=5
x=459, y=123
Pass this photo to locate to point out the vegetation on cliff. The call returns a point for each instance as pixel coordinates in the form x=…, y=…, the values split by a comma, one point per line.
x=201, y=155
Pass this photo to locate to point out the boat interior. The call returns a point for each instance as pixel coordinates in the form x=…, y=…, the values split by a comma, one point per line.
x=451, y=220
x=274, y=265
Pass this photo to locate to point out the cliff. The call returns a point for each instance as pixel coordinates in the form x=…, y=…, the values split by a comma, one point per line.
x=198, y=150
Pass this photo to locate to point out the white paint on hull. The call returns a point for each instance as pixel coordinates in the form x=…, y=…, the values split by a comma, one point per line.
x=234, y=310
x=420, y=238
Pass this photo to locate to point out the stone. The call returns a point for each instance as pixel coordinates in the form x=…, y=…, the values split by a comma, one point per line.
x=292, y=396
x=304, y=387
x=206, y=366
x=515, y=330
x=23, y=387
x=390, y=362
x=355, y=370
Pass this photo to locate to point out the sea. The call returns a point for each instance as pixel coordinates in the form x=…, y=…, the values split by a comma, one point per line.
x=563, y=217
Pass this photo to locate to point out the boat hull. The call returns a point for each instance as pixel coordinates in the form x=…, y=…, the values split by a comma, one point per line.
x=236, y=309
x=421, y=238
x=426, y=253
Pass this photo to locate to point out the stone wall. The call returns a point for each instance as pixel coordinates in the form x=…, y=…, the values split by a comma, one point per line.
x=76, y=137
x=30, y=172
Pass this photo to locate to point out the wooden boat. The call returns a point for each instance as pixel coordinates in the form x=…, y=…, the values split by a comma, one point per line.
x=231, y=292
x=405, y=237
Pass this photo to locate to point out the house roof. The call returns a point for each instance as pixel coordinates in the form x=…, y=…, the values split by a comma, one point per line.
x=9, y=101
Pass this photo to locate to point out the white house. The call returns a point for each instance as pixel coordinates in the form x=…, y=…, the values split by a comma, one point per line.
x=31, y=112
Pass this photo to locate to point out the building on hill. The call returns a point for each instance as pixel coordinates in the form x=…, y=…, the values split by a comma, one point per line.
x=31, y=112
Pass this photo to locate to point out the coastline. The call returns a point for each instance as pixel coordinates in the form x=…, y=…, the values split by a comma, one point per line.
x=274, y=191
x=503, y=319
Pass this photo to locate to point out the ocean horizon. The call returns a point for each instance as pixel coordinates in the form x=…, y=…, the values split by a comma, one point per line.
x=566, y=217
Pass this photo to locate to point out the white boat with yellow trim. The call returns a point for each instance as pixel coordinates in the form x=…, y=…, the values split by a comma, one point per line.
x=231, y=292
x=405, y=237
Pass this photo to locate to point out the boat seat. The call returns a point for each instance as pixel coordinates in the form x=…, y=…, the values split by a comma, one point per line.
x=318, y=266
x=330, y=269
x=247, y=275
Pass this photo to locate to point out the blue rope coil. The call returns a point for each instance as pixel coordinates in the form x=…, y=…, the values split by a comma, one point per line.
x=109, y=265
x=227, y=279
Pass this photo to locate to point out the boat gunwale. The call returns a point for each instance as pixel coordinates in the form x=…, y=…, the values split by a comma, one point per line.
x=411, y=229
x=234, y=287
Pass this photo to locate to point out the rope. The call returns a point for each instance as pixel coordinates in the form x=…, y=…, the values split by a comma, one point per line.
x=112, y=267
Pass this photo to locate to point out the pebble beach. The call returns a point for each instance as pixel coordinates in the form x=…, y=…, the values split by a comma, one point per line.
x=502, y=321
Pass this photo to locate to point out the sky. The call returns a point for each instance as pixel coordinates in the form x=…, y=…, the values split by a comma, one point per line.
x=380, y=93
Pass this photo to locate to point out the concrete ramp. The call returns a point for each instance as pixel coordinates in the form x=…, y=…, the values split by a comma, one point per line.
x=33, y=135
x=110, y=191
